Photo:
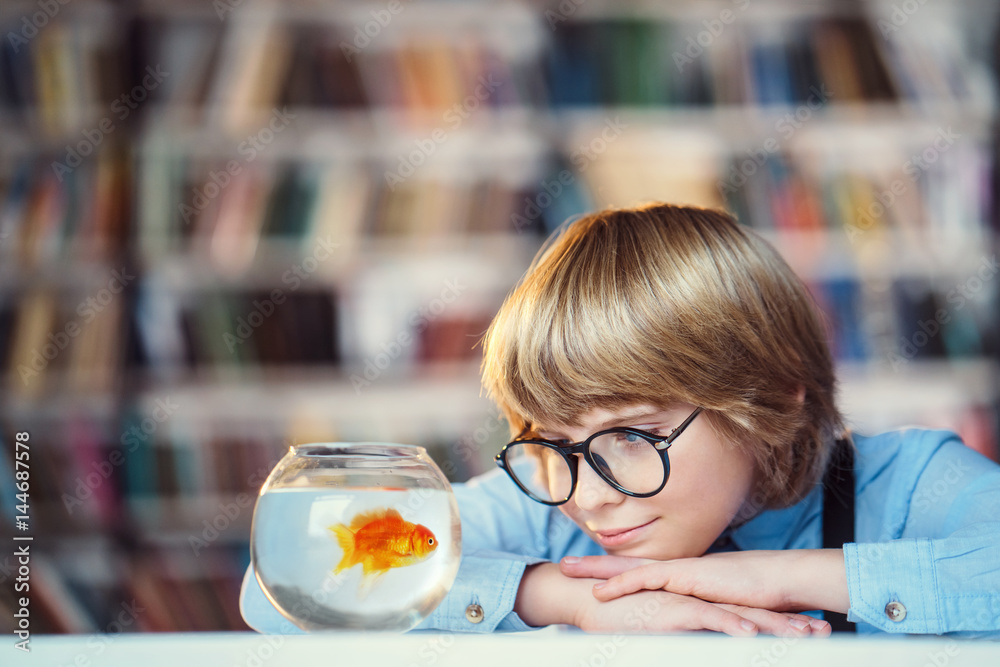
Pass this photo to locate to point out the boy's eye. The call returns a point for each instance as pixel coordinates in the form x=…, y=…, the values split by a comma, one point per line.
x=633, y=438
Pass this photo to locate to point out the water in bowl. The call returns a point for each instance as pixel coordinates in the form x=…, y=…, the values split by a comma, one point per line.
x=296, y=553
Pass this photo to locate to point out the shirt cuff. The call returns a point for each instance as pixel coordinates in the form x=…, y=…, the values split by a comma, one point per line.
x=891, y=586
x=483, y=595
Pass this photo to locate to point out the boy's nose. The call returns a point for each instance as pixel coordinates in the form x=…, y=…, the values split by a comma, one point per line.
x=591, y=490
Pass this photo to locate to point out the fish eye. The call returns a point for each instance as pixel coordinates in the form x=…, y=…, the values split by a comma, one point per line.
x=430, y=541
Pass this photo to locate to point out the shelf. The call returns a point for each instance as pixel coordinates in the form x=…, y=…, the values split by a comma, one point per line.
x=496, y=262
x=742, y=125
x=24, y=134
x=433, y=395
x=485, y=262
x=882, y=255
x=178, y=519
x=763, y=11
x=441, y=18
x=87, y=11
x=381, y=132
x=323, y=135
x=60, y=405
x=428, y=401
x=873, y=396
x=71, y=274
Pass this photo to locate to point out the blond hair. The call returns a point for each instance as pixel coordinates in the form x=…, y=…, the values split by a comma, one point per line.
x=670, y=304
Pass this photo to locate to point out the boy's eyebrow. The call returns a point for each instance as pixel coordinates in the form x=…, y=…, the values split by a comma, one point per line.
x=621, y=419
x=609, y=423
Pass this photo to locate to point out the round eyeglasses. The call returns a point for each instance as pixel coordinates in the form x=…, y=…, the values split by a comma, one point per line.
x=632, y=461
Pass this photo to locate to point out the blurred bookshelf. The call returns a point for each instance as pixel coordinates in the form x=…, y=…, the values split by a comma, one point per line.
x=226, y=229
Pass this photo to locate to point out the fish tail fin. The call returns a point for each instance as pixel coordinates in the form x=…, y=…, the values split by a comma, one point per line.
x=345, y=538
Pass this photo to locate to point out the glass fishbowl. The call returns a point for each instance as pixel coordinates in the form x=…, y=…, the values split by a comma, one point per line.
x=360, y=536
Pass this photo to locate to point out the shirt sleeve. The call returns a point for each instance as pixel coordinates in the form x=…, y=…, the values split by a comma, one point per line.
x=502, y=533
x=940, y=572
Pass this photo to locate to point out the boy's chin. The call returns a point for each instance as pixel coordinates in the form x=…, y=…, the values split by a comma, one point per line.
x=659, y=551
x=653, y=553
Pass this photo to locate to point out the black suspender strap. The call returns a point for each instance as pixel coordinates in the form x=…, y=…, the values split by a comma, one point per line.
x=838, y=513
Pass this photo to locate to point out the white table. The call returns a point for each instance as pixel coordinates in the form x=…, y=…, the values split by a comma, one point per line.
x=551, y=648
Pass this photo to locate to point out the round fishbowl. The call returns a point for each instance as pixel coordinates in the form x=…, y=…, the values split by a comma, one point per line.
x=358, y=536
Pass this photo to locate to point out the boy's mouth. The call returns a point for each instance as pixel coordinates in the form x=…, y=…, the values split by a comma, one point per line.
x=613, y=537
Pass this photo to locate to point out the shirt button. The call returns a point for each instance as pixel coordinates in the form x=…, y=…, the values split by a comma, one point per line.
x=895, y=611
x=474, y=613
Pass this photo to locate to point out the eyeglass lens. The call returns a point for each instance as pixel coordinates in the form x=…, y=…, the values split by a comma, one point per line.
x=624, y=458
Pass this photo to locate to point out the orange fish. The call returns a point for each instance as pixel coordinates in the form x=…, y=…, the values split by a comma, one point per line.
x=381, y=540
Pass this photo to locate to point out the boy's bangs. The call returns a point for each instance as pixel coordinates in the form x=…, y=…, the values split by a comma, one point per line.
x=577, y=338
x=556, y=379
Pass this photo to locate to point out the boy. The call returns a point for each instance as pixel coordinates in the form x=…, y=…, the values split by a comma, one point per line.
x=672, y=397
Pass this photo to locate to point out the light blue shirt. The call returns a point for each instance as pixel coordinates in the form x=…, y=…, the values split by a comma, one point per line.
x=927, y=529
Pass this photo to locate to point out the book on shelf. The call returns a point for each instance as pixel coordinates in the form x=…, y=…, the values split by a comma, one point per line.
x=232, y=219
x=34, y=320
x=631, y=61
x=47, y=214
x=59, y=344
x=594, y=58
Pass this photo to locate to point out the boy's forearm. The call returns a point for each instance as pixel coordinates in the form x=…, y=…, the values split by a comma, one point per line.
x=819, y=580
x=547, y=597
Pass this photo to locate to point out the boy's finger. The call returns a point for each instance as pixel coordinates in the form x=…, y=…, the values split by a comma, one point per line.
x=820, y=628
x=773, y=623
x=714, y=617
x=600, y=567
x=650, y=577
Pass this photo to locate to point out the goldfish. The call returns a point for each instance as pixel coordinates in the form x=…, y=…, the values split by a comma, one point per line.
x=381, y=540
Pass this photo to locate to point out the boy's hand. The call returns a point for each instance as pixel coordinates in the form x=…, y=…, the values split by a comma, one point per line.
x=546, y=596
x=793, y=580
x=663, y=612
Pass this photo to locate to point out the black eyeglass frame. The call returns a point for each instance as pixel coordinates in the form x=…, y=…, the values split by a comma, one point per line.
x=659, y=442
